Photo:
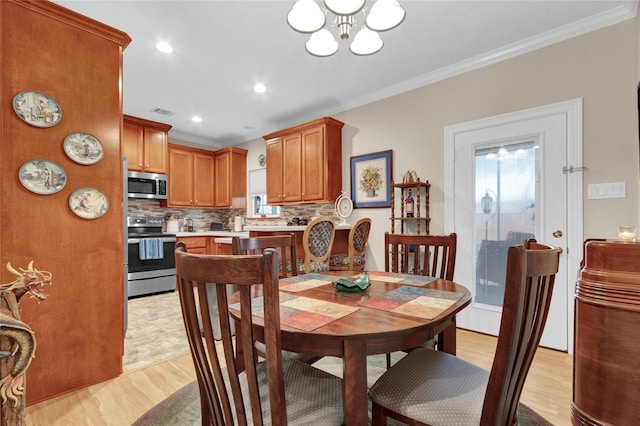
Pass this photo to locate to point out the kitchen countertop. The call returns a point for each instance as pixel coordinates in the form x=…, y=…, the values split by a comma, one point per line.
x=227, y=234
x=271, y=228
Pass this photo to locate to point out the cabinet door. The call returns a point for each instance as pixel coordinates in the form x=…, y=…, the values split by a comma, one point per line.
x=274, y=153
x=133, y=146
x=155, y=150
x=313, y=162
x=222, y=173
x=203, y=180
x=180, y=178
x=292, y=168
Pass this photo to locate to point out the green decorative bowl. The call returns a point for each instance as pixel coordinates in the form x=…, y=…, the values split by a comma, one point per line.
x=359, y=284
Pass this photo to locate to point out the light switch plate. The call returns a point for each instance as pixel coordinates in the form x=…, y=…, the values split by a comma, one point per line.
x=599, y=191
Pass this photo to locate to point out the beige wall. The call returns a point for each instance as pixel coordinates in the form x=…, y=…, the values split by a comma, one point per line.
x=600, y=67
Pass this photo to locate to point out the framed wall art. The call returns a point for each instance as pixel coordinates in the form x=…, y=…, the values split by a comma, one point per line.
x=371, y=179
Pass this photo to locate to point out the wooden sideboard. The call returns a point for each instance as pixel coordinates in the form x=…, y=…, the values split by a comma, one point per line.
x=606, y=360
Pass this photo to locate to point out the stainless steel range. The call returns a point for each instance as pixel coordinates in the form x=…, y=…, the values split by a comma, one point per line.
x=151, y=261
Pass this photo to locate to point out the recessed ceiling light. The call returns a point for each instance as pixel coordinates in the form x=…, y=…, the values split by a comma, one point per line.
x=196, y=119
x=164, y=47
x=259, y=88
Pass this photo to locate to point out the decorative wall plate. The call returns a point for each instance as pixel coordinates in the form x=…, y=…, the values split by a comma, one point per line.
x=88, y=203
x=42, y=177
x=83, y=148
x=37, y=109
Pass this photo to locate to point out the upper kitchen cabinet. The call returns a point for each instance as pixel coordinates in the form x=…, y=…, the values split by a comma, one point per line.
x=191, y=177
x=304, y=163
x=230, y=188
x=144, y=143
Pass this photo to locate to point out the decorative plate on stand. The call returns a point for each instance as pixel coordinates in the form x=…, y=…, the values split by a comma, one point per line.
x=343, y=207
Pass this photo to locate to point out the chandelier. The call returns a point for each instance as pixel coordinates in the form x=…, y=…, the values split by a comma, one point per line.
x=308, y=17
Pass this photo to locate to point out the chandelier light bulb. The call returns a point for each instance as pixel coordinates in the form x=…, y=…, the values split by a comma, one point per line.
x=306, y=16
x=344, y=7
x=321, y=43
x=385, y=15
x=366, y=42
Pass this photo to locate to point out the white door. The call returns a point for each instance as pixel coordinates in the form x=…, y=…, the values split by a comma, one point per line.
x=508, y=179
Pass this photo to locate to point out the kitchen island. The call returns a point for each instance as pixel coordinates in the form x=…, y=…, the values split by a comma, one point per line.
x=209, y=242
x=340, y=242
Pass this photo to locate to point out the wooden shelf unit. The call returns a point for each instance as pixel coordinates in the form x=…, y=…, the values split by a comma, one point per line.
x=421, y=198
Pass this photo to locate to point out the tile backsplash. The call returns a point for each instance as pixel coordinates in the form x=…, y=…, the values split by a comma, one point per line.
x=203, y=217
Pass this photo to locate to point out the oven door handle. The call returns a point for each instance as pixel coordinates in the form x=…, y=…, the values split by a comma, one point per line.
x=164, y=240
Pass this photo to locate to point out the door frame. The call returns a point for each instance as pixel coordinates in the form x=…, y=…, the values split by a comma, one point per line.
x=573, y=169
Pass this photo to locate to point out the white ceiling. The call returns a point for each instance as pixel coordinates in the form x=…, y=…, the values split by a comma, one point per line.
x=223, y=48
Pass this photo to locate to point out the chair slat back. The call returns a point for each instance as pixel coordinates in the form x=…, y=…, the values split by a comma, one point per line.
x=429, y=255
x=285, y=245
x=198, y=275
x=530, y=277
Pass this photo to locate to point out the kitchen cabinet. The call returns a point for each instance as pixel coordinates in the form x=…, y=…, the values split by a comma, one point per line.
x=145, y=144
x=230, y=188
x=219, y=248
x=79, y=328
x=304, y=163
x=191, y=177
x=197, y=245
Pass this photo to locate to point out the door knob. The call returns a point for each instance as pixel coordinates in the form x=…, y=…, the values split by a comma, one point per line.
x=557, y=233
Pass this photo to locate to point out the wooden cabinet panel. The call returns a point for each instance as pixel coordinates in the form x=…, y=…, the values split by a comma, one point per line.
x=304, y=163
x=231, y=178
x=191, y=177
x=145, y=144
x=155, y=150
x=292, y=171
x=133, y=145
x=180, y=178
x=203, y=179
x=275, y=167
x=79, y=329
x=312, y=164
x=199, y=245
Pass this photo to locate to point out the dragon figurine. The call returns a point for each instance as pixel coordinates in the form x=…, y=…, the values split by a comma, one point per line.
x=22, y=338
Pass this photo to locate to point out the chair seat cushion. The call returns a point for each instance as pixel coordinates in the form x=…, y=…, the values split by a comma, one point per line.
x=313, y=396
x=434, y=388
x=342, y=259
x=315, y=267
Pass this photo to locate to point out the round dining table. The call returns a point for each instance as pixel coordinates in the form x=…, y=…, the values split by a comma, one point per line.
x=366, y=330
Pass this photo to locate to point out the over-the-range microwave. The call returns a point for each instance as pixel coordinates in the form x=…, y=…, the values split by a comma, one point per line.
x=147, y=185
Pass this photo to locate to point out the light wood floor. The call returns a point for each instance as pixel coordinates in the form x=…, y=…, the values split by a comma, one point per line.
x=122, y=400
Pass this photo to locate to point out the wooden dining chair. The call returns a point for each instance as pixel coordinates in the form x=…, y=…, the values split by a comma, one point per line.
x=353, y=260
x=429, y=255
x=432, y=387
x=276, y=391
x=284, y=244
x=317, y=241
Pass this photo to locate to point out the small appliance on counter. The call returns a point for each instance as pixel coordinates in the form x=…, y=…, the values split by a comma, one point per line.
x=237, y=224
x=216, y=226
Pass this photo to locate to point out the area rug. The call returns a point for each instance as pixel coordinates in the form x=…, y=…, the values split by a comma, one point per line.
x=182, y=408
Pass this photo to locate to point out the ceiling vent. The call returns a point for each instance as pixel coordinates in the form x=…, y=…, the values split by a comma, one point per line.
x=163, y=111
